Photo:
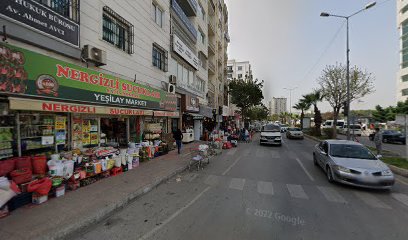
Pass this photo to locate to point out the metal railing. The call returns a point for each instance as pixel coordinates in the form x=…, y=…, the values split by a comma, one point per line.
x=186, y=21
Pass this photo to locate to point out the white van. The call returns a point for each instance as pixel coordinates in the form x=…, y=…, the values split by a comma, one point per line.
x=271, y=134
x=355, y=129
x=329, y=124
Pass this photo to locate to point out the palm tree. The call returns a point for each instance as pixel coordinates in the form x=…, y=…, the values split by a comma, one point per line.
x=312, y=99
x=303, y=106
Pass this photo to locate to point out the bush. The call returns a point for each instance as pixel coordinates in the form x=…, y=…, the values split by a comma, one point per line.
x=329, y=132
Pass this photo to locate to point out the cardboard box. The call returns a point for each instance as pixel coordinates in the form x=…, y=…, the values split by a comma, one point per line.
x=39, y=199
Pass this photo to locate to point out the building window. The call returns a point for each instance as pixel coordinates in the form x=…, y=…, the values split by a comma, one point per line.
x=201, y=36
x=229, y=76
x=239, y=68
x=404, y=92
x=201, y=12
x=157, y=14
x=159, y=57
x=404, y=78
x=117, y=31
x=239, y=76
x=67, y=8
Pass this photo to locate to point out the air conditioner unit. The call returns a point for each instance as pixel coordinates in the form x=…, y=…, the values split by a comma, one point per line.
x=171, y=88
x=173, y=79
x=94, y=54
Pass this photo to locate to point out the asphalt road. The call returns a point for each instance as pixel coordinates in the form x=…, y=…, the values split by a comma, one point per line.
x=259, y=192
x=397, y=148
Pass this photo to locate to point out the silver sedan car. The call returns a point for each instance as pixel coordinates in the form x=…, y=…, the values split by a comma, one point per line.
x=352, y=163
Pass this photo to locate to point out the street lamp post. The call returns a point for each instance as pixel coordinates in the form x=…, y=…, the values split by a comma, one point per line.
x=324, y=14
x=290, y=101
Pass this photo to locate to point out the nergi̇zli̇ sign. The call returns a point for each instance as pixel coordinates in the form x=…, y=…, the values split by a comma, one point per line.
x=40, y=18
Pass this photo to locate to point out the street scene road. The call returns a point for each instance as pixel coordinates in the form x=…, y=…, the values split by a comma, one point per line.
x=259, y=192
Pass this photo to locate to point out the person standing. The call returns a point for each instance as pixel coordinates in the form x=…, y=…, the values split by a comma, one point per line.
x=246, y=135
x=378, y=140
x=178, y=136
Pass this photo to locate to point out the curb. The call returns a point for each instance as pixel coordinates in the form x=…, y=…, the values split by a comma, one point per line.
x=81, y=224
x=399, y=171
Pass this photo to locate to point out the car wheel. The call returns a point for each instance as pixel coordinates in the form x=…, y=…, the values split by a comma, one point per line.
x=329, y=175
x=315, y=160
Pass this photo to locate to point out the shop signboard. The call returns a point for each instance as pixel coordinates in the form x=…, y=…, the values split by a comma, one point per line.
x=190, y=104
x=37, y=17
x=206, y=111
x=27, y=73
x=48, y=106
x=185, y=52
x=166, y=114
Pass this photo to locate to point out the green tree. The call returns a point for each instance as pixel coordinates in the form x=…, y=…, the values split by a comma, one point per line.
x=246, y=94
x=312, y=99
x=302, y=106
x=333, y=84
x=259, y=112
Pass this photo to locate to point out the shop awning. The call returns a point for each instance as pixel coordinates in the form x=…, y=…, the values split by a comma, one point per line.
x=206, y=111
x=196, y=116
x=50, y=106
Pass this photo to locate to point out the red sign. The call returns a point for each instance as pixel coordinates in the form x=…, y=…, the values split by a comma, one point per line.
x=59, y=107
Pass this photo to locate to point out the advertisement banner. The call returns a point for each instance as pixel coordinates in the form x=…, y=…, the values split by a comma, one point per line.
x=23, y=72
x=181, y=49
x=34, y=15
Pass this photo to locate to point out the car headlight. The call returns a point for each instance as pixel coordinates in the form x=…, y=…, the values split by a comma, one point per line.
x=386, y=172
x=278, y=138
x=342, y=169
x=263, y=137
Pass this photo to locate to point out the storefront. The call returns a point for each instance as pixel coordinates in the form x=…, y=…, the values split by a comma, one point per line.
x=192, y=121
x=49, y=106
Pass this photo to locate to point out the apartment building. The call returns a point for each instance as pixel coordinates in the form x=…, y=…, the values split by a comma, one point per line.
x=278, y=106
x=402, y=76
x=238, y=70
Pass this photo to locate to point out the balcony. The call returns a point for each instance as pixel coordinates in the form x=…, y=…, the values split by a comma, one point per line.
x=227, y=37
x=211, y=87
x=211, y=47
x=211, y=68
x=211, y=26
x=211, y=7
x=184, y=19
x=189, y=7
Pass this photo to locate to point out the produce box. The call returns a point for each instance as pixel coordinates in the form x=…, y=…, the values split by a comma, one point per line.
x=39, y=199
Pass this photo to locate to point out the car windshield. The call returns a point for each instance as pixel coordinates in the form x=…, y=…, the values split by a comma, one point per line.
x=392, y=132
x=350, y=151
x=271, y=128
x=294, y=129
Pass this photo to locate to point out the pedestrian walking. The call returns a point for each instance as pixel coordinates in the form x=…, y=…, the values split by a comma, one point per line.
x=178, y=136
x=246, y=135
x=378, y=140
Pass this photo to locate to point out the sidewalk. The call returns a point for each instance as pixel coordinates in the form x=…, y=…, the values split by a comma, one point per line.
x=60, y=217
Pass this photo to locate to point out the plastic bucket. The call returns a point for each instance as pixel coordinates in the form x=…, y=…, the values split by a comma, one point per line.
x=56, y=168
x=39, y=164
x=68, y=168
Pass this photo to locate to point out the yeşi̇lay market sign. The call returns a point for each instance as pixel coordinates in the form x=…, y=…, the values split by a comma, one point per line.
x=24, y=72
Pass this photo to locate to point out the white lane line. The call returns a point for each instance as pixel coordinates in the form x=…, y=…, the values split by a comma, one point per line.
x=331, y=195
x=401, y=181
x=305, y=170
x=212, y=180
x=237, y=183
x=232, y=165
x=371, y=200
x=178, y=212
x=296, y=191
x=265, y=188
x=402, y=198
x=232, y=151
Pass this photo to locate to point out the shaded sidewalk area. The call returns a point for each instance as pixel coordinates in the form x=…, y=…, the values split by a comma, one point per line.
x=60, y=217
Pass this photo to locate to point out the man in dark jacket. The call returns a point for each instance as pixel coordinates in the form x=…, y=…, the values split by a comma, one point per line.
x=178, y=136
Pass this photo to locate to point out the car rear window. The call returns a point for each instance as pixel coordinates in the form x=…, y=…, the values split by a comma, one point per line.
x=271, y=128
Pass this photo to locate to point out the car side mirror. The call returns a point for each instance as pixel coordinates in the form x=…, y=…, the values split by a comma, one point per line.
x=379, y=156
x=323, y=153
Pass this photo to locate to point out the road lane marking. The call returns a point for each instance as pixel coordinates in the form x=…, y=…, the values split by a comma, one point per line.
x=305, y=170
x=178, y=212
x=265, y=188
x=296, y=191
x=231, y=166
x=232, y=151
x=401, y=181
x=237, y=183
x=212, y=180
x=331, y=195
x=402, y=198
x=371, y=200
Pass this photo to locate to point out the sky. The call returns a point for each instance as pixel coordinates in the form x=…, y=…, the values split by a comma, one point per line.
x=288, y=44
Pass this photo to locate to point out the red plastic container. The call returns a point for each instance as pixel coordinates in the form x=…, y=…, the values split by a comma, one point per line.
x=39, y=164
x=20, y=176
x=41, y=186
x=23, y=162
x=116, y=171
x=7, y=166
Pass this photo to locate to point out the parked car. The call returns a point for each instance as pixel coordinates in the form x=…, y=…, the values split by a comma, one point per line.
x=390, y=136
x=271, y=134
x=355, y=129
x=329, y=124
x=284, y=127
x=294, y=133
x=352, y=163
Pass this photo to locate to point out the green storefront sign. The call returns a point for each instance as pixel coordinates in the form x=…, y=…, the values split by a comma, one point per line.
x=26, y=73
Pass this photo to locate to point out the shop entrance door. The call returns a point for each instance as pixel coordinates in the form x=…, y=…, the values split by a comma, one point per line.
x=197, y=129
x=174, y=124
x=115, y=130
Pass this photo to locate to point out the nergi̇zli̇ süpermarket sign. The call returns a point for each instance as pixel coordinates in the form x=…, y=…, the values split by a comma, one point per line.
x=23, y=72
x=33, y=15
